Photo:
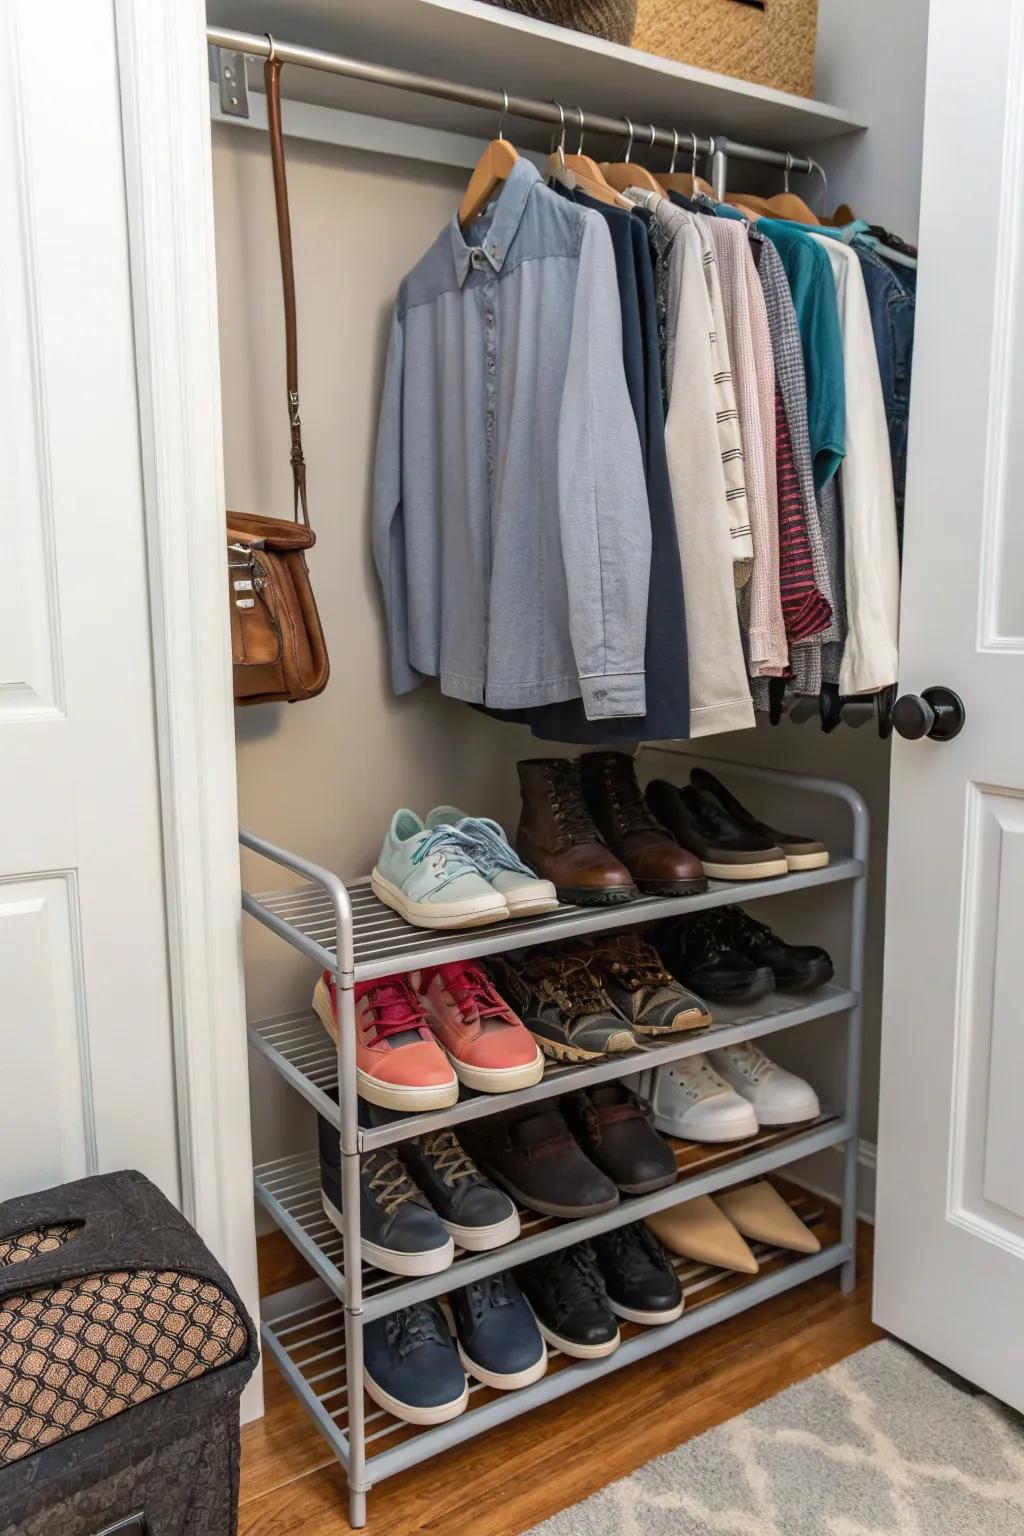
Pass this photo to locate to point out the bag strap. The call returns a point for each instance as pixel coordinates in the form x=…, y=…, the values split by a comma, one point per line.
x=272, y=81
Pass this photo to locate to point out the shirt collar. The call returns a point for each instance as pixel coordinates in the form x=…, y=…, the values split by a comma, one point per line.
x=505, y=221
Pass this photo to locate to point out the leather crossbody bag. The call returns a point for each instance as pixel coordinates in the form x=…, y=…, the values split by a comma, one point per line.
x=277, y=642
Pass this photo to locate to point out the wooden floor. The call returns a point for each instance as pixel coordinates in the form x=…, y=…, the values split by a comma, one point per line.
x=519, y=1474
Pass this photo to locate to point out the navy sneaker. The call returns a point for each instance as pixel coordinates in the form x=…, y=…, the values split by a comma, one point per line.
x=570, y=1303
x=499, y=1341
x=411, y=1368
x=400, y=1231
x=642, y=1286
x=476, y=1213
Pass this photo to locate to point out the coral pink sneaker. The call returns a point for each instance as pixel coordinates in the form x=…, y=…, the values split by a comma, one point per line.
x=399, y=1064
x=490, y=1048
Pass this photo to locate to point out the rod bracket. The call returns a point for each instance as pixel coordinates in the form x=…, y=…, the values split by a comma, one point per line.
x=231, y=78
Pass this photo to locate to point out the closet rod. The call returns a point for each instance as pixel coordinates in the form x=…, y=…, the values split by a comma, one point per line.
x=494, y=101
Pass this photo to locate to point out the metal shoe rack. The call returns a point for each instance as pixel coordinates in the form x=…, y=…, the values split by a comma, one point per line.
x=315, y=1331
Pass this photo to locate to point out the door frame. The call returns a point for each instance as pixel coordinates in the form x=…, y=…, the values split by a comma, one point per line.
x=162, y=61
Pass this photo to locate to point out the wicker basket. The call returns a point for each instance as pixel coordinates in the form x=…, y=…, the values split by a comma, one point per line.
x=610, y=19
x=769, y=42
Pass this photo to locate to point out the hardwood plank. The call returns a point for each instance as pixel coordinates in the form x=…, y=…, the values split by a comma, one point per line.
x=521, y=1473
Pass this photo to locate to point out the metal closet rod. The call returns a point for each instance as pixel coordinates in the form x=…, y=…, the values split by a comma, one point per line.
x=498, y=102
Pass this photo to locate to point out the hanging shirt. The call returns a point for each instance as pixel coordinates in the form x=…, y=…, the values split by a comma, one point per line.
x=719, y=692
x=814, y=299
x=892, y=299
x=511, y=530
x=871, y=551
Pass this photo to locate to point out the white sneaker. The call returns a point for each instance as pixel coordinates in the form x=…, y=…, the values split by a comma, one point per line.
x=692, y=1101
x=777, y=1096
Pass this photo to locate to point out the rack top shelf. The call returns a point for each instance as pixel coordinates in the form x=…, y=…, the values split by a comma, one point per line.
x=385, y=944
x=484, y=45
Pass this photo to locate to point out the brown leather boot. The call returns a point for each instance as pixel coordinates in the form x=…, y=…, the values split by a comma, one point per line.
x=557, y=836
x=653, y=857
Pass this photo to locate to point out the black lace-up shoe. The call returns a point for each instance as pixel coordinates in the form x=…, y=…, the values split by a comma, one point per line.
x=696, y=951
x=561, y=1001
x=570, y=1303
x=476, y=1213
x=411, y=1367
x=498, y=1337
x=642, y=1286
x=801, y=852
x=400, y=1231
x=796, y=967
x=615, y=1130
x=637, y=982
x=535, y=1158
x=698, y=821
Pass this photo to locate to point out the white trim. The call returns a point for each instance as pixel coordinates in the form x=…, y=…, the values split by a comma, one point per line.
x=162, y=59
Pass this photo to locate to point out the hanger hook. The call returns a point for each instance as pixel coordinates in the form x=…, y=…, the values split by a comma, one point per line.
x=559, y=148
x=654, y=134
x=272, y=55
x=579, y=147
x=675, y=151
x=504, y=113
x=785, y=174
x=824, y=182
x=693, y=161
x=629, y=145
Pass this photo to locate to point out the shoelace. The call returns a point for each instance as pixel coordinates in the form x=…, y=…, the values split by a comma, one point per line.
x=634, y=1250
x=750, y=1060
x=706, y=931
x=569, y=806
x=493, y=1291
x=573, y=1276
x=389, y=1180
x=493, y=851
x=697, y=1072
x=410, y=1327
x=732, y=918
x=630, y=808
x=471, y=992
x=392, y=1007
x=443, y=845
x=637, y=969
x=448, y=1157
x=568, y=981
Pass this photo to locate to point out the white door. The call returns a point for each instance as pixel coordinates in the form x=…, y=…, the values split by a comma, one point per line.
x=950, y=1234
x=86, y=1055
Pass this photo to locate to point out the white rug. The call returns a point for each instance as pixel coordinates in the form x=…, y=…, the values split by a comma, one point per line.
x=879, y=1445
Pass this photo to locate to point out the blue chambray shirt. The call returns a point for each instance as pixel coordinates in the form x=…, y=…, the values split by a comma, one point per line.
x=511, y=529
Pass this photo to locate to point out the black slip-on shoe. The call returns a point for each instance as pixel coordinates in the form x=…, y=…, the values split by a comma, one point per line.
x=801, y=852
x=698, y=821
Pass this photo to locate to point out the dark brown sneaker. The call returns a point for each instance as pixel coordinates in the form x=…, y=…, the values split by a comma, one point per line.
x=616, y=1131
x=657, y=863
x=561, y=1001
x=643, y=991
x=558, y=838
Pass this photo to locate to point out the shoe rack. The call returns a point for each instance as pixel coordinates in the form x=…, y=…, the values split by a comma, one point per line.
x=314, y=1331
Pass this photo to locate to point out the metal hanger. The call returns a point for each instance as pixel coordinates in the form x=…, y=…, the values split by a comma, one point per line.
x=493, y=167
x=623, y=173
x=589, y=176
x=689, y=184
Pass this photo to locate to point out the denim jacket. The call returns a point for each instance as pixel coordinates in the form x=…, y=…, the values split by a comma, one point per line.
x=511, y=529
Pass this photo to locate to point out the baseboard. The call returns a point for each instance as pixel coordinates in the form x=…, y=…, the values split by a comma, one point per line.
x=823, y=1174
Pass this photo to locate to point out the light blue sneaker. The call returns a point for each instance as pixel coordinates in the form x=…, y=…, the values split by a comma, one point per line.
x=498, y=862
x=430, y=877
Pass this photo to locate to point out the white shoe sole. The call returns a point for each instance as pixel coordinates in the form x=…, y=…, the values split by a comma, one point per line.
x=775, y=1117
x=533, y=907
x=385, y=1095
x=482, y=1239
x=409, y=1412
x=807, y=860
x=440, y=914
x=733, y=1131
x=579, y=1351
x=511, y=1383
x=498, y=1079
x=650, y=1319
x=747, y=871
x=430, y=1262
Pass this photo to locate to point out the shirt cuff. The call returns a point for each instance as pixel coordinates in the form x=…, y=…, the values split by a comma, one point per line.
x=614, y=695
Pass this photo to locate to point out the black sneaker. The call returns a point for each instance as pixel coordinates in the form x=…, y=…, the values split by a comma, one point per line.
x=637, y=982
x=400, y=1231
x=615, y=1130
x=498, y=1338
x=411, y=1367
x=570, y=1303
x=699, y=822
x=477, y=1214
x=561, y=1001
x=535, y=1158
x=796, y=967
x=801, y=852
x=642, y=1286
x=696, y=951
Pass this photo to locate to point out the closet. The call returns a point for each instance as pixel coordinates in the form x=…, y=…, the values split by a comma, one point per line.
x=377, y=162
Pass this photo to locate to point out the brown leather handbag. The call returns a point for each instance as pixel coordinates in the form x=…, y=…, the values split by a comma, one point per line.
x=277, y=643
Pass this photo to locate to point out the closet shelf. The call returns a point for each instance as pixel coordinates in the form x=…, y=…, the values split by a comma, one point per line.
x=303, y=1330
x=485, y=45
x=289, y=1188
x=298, y=1046
x=385, y=944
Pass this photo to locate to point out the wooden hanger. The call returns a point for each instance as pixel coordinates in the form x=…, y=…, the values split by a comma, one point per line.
x=623, y=173
x=787, y=205
x=686, y=182
x=493, y=167
x=586, y=173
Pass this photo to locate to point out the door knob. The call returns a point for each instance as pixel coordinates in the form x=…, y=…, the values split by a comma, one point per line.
x=937, y=713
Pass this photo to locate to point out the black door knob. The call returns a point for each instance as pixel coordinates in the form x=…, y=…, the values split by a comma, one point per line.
x=937, y=713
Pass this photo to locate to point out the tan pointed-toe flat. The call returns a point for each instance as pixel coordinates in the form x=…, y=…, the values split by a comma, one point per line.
x=761, y=1214
x=699, y=1230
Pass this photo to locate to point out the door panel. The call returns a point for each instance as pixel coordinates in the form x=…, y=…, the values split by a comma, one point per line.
x=950, y=1236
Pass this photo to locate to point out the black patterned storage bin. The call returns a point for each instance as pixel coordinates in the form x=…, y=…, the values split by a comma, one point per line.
x=124, y=1348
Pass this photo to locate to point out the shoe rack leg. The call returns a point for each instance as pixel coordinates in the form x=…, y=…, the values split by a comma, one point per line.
x=859, y=904
x=356, y=1510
